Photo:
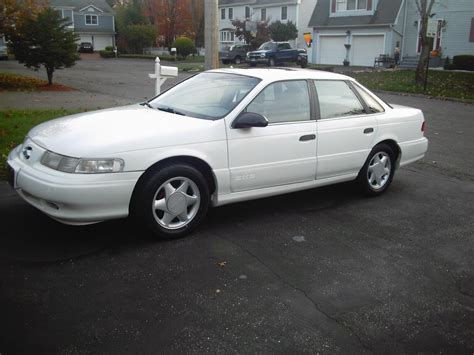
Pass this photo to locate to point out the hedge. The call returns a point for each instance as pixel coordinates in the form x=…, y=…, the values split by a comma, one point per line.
x=107, y=54
x=463, y=62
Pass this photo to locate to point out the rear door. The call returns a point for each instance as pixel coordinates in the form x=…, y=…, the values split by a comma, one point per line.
x=346, y=129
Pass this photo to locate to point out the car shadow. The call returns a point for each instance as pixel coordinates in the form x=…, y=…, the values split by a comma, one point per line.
x=29, y=236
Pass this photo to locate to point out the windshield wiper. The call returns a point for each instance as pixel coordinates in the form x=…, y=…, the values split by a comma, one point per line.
x=170, y=110
x=146, y=104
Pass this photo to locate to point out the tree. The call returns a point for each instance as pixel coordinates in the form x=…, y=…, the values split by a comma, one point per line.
x=184, y=46
x=130, y=21
x=14, y=12
x=283, y=31
x=45, y=41
x=254, y=40
x=139, y=36
x=424, y=10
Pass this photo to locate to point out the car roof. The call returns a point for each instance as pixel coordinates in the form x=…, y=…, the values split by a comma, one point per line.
x=272, y=74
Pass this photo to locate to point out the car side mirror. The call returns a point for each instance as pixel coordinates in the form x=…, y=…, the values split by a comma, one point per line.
x=249, y=119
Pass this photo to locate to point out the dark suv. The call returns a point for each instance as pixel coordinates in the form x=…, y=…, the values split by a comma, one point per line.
x=234, y=54
x=86, y=47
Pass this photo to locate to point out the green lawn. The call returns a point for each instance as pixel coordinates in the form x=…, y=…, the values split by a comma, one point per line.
x=15, y=124
x=442, y=84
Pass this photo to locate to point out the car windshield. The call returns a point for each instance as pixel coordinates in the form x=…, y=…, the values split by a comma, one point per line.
x=207, y=95
x=267, y=46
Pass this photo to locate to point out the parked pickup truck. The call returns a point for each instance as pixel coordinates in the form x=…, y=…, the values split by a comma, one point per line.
x=234, y=54
x=271, y=53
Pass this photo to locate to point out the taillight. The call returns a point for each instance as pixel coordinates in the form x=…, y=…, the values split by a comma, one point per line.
x=423, y=127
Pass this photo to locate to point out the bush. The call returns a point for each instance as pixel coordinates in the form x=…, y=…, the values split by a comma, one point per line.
x=184, y=46
x=107, y=54
x=109, y=48
x=463, y=62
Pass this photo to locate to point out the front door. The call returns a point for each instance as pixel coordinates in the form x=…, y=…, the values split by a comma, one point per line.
x=282, y=153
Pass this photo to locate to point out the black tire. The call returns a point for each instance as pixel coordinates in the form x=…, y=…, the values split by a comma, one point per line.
x=365, y=179
x=150, y=186
x=271, y=62
x=252, y=64
x=237, y=60
x=225, y=61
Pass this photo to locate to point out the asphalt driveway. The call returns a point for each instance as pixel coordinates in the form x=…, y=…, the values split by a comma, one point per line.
x=326, y=270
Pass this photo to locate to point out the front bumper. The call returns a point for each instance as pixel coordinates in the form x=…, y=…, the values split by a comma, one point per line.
x=70, y=198
x=257, y=60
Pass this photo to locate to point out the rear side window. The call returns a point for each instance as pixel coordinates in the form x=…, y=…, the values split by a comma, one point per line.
x=373, y=105
x=283, y=101
x=336, y=99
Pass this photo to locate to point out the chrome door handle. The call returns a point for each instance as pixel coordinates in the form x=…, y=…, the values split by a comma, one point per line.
x=307, y=137
x=368, y=130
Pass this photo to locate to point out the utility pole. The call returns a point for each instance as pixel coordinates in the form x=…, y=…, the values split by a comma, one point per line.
x=211, y=30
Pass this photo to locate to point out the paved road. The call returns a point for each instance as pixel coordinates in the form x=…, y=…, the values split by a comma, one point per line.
x=325, y=270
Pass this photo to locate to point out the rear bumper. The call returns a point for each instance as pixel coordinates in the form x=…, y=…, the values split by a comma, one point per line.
x=413, y=151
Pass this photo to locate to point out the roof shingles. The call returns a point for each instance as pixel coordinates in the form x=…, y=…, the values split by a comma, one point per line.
x=386, y=13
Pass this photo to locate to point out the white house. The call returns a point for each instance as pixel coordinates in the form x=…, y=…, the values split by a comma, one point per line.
x=296, y=11
x=361, y=30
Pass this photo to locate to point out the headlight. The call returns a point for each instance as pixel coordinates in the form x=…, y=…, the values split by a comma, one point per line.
x=262, y=55
x=81, y=166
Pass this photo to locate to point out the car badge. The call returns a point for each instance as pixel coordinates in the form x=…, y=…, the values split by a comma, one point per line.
x=27, y=152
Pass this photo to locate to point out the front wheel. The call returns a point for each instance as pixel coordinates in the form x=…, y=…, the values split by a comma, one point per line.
x=377, y=173
x=271, y=62
x=171, y=201
x=237, y=60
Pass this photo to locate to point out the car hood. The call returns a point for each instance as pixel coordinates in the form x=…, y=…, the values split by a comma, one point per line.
x=134, y=127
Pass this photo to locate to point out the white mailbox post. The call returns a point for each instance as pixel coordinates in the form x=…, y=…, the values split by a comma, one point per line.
x=161, y=74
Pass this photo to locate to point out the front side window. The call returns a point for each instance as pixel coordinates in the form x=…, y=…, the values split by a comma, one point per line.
x=92, y=20
x=207, y=95
x=336, y=99
x=282, y=46
x=284, y=13
x=283, y=101
x=373, y=105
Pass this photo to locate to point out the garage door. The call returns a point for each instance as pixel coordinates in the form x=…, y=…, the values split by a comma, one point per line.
x=100, y=42
x=332, y=50
x=365, y=49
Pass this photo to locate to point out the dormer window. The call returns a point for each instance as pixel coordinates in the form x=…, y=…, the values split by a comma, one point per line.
x=351, y=5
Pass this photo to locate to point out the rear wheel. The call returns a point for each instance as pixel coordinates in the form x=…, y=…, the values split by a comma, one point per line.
x=225, y=61
x=237, y=60
x=171, y=201
x=377, y=173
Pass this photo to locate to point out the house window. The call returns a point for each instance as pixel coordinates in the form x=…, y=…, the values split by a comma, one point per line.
x=284, y=13
x=471, y=37
x=92, y=20
x=247, y=12
x=231, y=13
x=350, y=5
x=263, y=14
x=227, y=36
x=222, y=14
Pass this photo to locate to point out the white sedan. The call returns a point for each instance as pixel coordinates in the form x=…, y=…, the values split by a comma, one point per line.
x=219, y=137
